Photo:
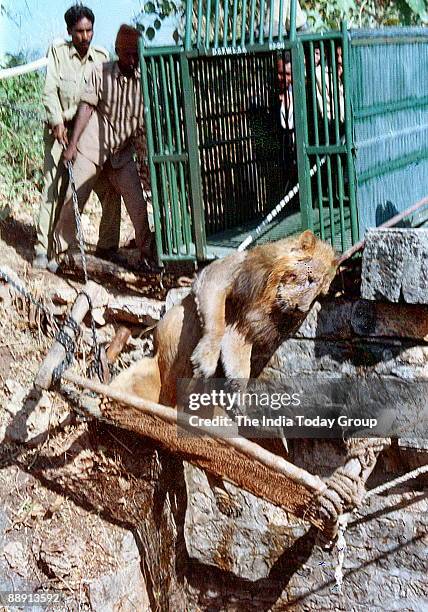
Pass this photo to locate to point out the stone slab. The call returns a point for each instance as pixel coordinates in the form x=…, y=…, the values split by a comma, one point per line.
x=135, y=310
x=395, y=265
x=347, y=318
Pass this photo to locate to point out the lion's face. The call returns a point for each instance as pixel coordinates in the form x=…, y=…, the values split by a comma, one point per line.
x=300, y=286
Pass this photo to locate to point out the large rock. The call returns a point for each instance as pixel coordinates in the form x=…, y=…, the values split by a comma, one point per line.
x=249, y=545
x=135, y=309
x=32, y=414
x=124, y=589
x=344, y=319
x=395, y=265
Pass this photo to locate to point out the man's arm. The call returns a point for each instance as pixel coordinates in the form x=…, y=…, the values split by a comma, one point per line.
x=51, y=99
x=84, y=113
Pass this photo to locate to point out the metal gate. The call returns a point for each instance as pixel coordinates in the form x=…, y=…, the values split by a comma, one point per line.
x=219, y=156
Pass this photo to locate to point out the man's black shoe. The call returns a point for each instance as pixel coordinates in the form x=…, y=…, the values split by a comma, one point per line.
x=111, y=255
x=105, y=253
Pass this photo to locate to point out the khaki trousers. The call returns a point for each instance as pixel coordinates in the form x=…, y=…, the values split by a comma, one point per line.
x=54, y=192
x=124, y=180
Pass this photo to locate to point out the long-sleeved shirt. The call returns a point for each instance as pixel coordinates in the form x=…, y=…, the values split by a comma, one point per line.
x=118, y=113
x=66, y=76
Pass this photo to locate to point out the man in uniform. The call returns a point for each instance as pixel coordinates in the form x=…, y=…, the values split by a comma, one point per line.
x=69, y=67
x=101, y=146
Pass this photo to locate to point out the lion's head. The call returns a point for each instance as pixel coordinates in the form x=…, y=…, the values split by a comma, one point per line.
x=309, y=269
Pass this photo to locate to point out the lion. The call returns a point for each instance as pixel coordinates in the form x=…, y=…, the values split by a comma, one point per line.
x=255, y=298
x=240, y=308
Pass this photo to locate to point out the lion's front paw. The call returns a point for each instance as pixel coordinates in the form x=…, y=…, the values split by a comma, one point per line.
x=227, y=503
x=205, y=357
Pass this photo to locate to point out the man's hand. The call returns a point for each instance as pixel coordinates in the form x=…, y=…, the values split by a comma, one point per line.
x=70, y=153
x=60, y=133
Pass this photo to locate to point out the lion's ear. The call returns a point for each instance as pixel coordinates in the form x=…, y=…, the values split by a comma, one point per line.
x=307, y=241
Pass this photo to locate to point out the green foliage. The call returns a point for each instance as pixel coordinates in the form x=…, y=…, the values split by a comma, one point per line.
x=322, y=14
x=326, y=14
x=415, y=11
x=21, y=130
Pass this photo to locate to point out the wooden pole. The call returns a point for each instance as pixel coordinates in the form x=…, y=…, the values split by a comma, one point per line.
x=250, y=449
x=117, y=344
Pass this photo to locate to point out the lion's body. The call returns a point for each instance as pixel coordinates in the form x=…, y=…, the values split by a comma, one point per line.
x=240, y=309
x=175, y=338
x=247, y=299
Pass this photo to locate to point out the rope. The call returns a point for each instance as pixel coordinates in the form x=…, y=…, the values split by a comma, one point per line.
x=7, y=73
x=341, y=549
x=423, y=469
x=273, y=213
x=343, y=519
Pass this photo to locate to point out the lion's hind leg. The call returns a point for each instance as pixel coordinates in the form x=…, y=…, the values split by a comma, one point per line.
x=142, y=379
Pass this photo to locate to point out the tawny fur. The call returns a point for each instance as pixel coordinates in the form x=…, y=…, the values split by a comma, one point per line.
x=255, y=298
x=240, y=305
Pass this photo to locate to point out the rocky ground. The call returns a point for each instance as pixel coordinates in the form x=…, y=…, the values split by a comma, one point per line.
x=109, y=522
x=54, y=535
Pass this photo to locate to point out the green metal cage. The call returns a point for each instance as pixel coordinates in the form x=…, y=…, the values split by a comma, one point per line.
x=228, y=137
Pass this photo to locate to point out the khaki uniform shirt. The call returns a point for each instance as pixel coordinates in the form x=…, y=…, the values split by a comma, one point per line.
x=118, y=114
x=66, y=76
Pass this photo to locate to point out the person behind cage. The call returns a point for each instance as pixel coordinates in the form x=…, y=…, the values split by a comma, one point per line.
x=286, y=112
x=285, y=81
x=325, y=85
x=69, y=65
x=110, y=112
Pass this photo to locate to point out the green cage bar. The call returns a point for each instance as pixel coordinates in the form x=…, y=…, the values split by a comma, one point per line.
x=221, y=150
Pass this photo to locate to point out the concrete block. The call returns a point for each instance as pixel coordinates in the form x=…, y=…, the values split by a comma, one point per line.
x=395, y=265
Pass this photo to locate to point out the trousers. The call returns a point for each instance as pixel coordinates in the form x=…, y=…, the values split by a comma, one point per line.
x=54, y=192
x=123, y=180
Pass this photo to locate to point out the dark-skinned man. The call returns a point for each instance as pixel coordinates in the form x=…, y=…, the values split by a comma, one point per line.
x=69, y=67
x=110, y=111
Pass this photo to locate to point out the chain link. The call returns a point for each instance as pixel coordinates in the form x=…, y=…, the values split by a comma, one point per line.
x=37, y=303
x=81, y=243
x=61, y=335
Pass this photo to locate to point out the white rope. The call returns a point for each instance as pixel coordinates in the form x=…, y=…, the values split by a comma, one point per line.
x=7, y=73
x=397, y=481
x=344, y=519
x=341, y=549
x=273, y=213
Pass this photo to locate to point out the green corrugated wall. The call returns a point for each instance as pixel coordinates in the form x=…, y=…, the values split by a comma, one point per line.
x=389, y=97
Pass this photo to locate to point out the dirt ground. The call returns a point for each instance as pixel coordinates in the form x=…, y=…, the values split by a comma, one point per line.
x=70, y=489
